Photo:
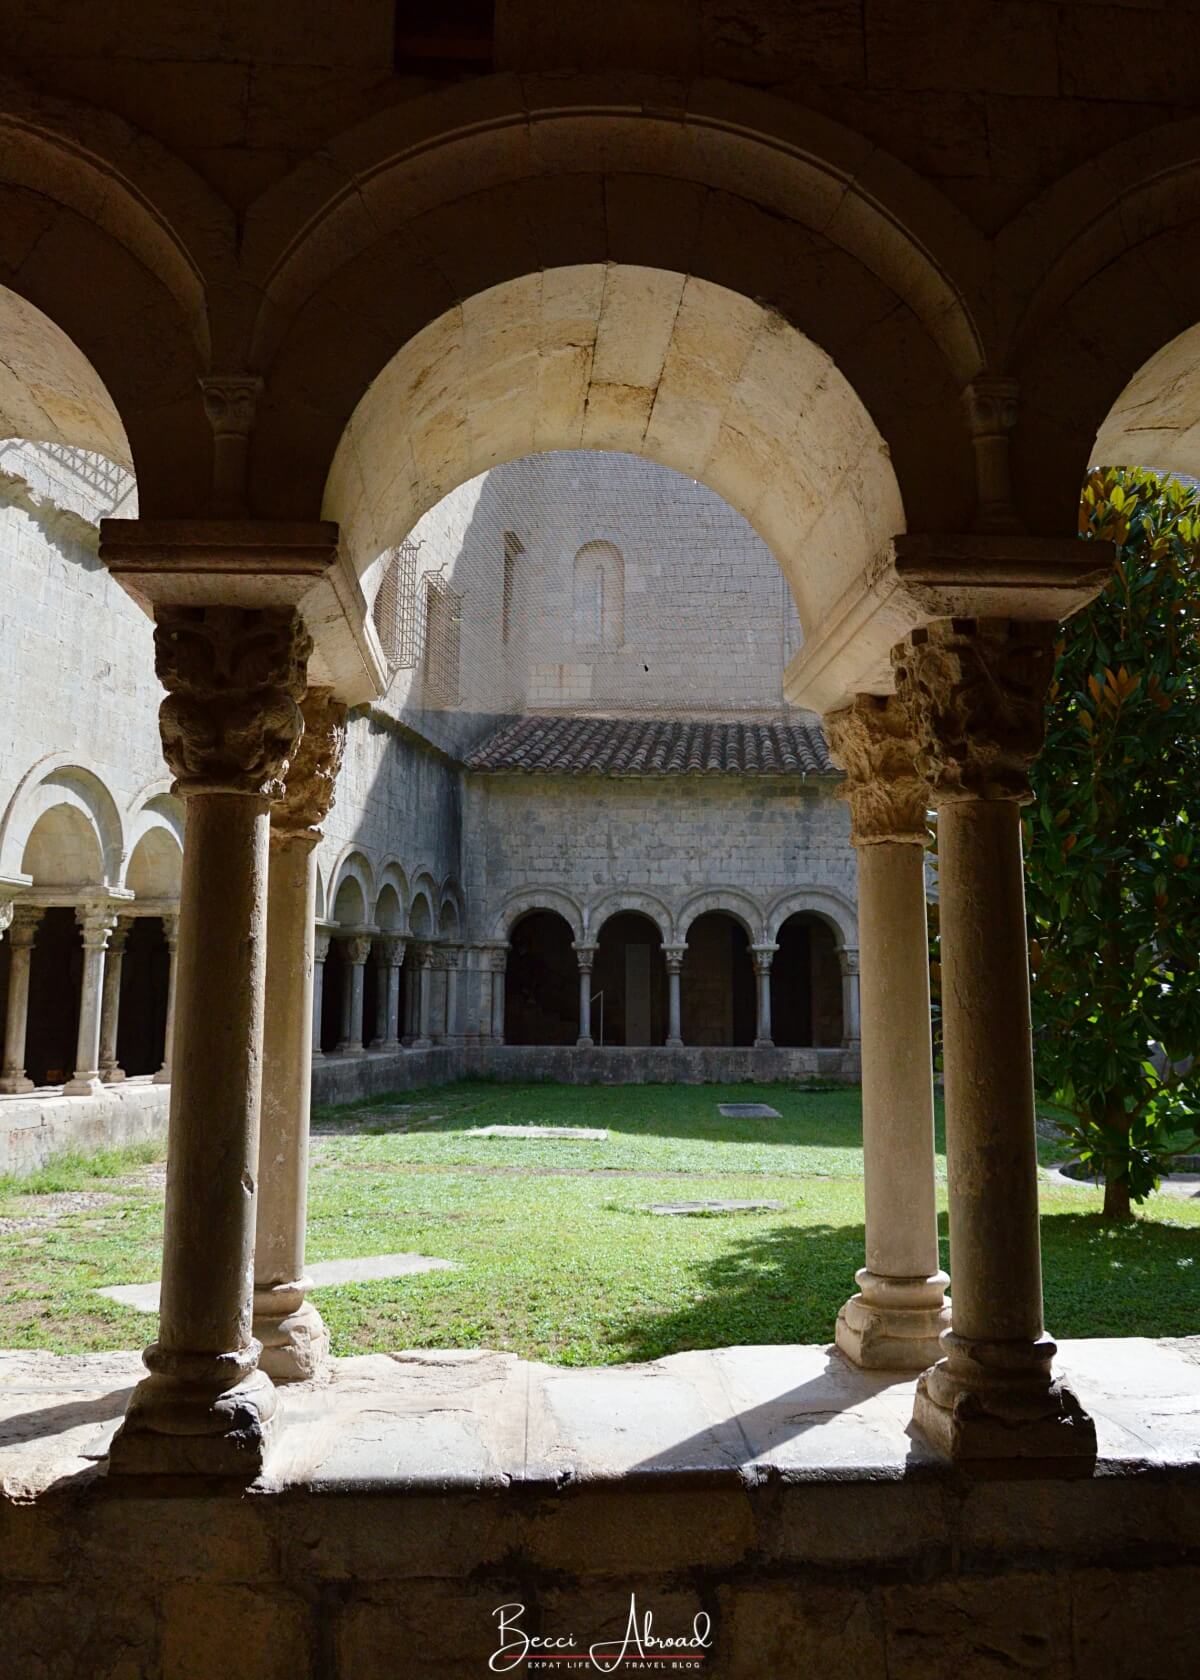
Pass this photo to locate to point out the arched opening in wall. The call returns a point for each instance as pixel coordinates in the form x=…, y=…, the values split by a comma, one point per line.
x=806, y=985
x=350, y=914
x=55, y=976
x=142, y=1020
x=598, y=597
x=541, y=981
x=631, y=977
x=717, y=982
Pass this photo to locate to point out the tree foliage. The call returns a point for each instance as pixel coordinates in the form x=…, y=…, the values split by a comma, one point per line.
x=1113, y=849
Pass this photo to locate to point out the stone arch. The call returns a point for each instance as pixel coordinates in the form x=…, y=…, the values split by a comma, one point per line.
x=57, y=783
x=519, y=904
x=1108, y=257
x=420, y=913
x=733, y=902
x=391, y=903
x=352, y=895
x=826, y=903
x=631, y=898
x=155, y=840
x=319, y=895
x=450, y=916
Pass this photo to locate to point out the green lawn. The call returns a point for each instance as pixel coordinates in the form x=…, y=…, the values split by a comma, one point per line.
x=558, y=1257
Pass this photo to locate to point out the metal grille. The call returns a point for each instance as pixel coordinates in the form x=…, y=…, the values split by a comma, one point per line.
x=396, y=612
x=443, y=628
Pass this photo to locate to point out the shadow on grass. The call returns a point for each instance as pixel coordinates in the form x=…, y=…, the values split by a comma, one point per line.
x=818, y=1118
x=787, y=1284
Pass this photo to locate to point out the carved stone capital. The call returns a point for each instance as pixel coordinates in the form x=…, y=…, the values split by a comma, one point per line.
x=321, y=944
x=673, y=956
x=234, y=677
x=585, y=956
x=119, y=936
x=848, y=959
x=991, y=405
x=976, y=691
x=389, y=950
x=312, y=772
x=96, y=923
x=357, y=949
x=498, y=959
x=6, y=914
x=763, y=956
x=26, y=919
x=872, y=740
x=229, y=403
x=170, y=929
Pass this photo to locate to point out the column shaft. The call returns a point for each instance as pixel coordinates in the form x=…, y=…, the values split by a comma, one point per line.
x=21, y=935
x=171, y=935
x=96, y=922
x=111, y=1072
x=320, y=952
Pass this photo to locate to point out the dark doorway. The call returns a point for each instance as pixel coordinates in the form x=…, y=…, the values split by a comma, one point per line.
x=337, y=978
x=54, y=978
x=145, y=975
x=806, y=985
x=632, y=975
x=541, y=981
x=717, y=984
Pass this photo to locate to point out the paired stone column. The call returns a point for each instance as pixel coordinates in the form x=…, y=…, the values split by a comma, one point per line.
x=975, y=690
x=96, y=923
x=389, y=954
x=451, y=960
x=320, y=952
x=356, y=949
x=21, y=935
x=231, y=720
x=764, y=956
x=894, y=1322
x=848, y=962
x=295, y=1342
x=673, y=956
x=171, y=935
x=424, y=973
x=111, y=1071
x=499, y=959
x=585, y=956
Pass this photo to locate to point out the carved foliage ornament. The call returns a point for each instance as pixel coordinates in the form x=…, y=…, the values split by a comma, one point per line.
x=872, y=741
x=312, y=771
x=976, y=691
x=234, y=678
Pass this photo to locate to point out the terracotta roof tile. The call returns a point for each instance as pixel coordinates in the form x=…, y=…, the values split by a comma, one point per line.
x=598, y=746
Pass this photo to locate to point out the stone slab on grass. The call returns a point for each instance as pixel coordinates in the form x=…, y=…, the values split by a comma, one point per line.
x=144, y=1296
x=585, y=1134
x=749, y=1111
x=715, y=1207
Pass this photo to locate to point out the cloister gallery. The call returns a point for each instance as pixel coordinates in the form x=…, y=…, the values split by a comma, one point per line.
x=588, y=480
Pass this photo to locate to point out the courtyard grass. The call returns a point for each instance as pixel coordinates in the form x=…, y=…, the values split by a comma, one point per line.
x=558, y=1258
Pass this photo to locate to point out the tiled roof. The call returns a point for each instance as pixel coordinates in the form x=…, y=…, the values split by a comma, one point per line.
x=598, y=746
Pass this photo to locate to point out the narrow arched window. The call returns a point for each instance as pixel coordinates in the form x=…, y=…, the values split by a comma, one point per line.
x=599, y=596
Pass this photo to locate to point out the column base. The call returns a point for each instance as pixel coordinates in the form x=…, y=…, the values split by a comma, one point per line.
x=421, y=1044
x=386, y=1046
x=16, y=1085
x=83, y=1085
x=1000, y=1401
x=112, y=1075
x=674, y=1044
x=764, y=1044
x=198, y=1414
x=295, y=1342
x=894, y=1324
x=589, y=1043
x=162, y=1077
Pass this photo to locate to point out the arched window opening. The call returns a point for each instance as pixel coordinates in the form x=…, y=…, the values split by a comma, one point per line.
x=142, y=1018
x=541, y=981
x=630, y=972
x=599, y=596
x=55, y=974
x=806, y=985
x=717, y=996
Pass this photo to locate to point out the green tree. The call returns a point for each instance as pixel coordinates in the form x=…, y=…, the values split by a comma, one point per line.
x=1113, y=873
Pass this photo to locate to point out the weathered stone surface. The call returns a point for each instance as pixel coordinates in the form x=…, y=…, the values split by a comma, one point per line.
x=749, y=1111
x=322, y=1274
x=579, y=1134
x=683, y=1208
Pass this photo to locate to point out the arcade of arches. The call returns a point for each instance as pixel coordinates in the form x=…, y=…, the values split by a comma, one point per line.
x=287, y=302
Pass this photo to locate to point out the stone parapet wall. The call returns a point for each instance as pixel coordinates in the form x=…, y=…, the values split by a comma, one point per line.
x=34, y=1129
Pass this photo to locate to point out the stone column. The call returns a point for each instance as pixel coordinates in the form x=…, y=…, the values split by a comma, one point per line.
x=976, y=690
x=231, y=720
x=21, y=935
x=673, y=956
x=851, y=1001
x=390, y=957
x=171, y=935
x=295, y=1343
x=499, y=969
x=452, y=959
x=894, y=1322
x=320, y=952
x=764, y=956
x=111, y=1071
x=585, y=955
x=357, y=949
x=96, y=922
x=423, y=1041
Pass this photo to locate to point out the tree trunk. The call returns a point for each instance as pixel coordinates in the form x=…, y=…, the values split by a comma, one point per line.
x=1116, y=1198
